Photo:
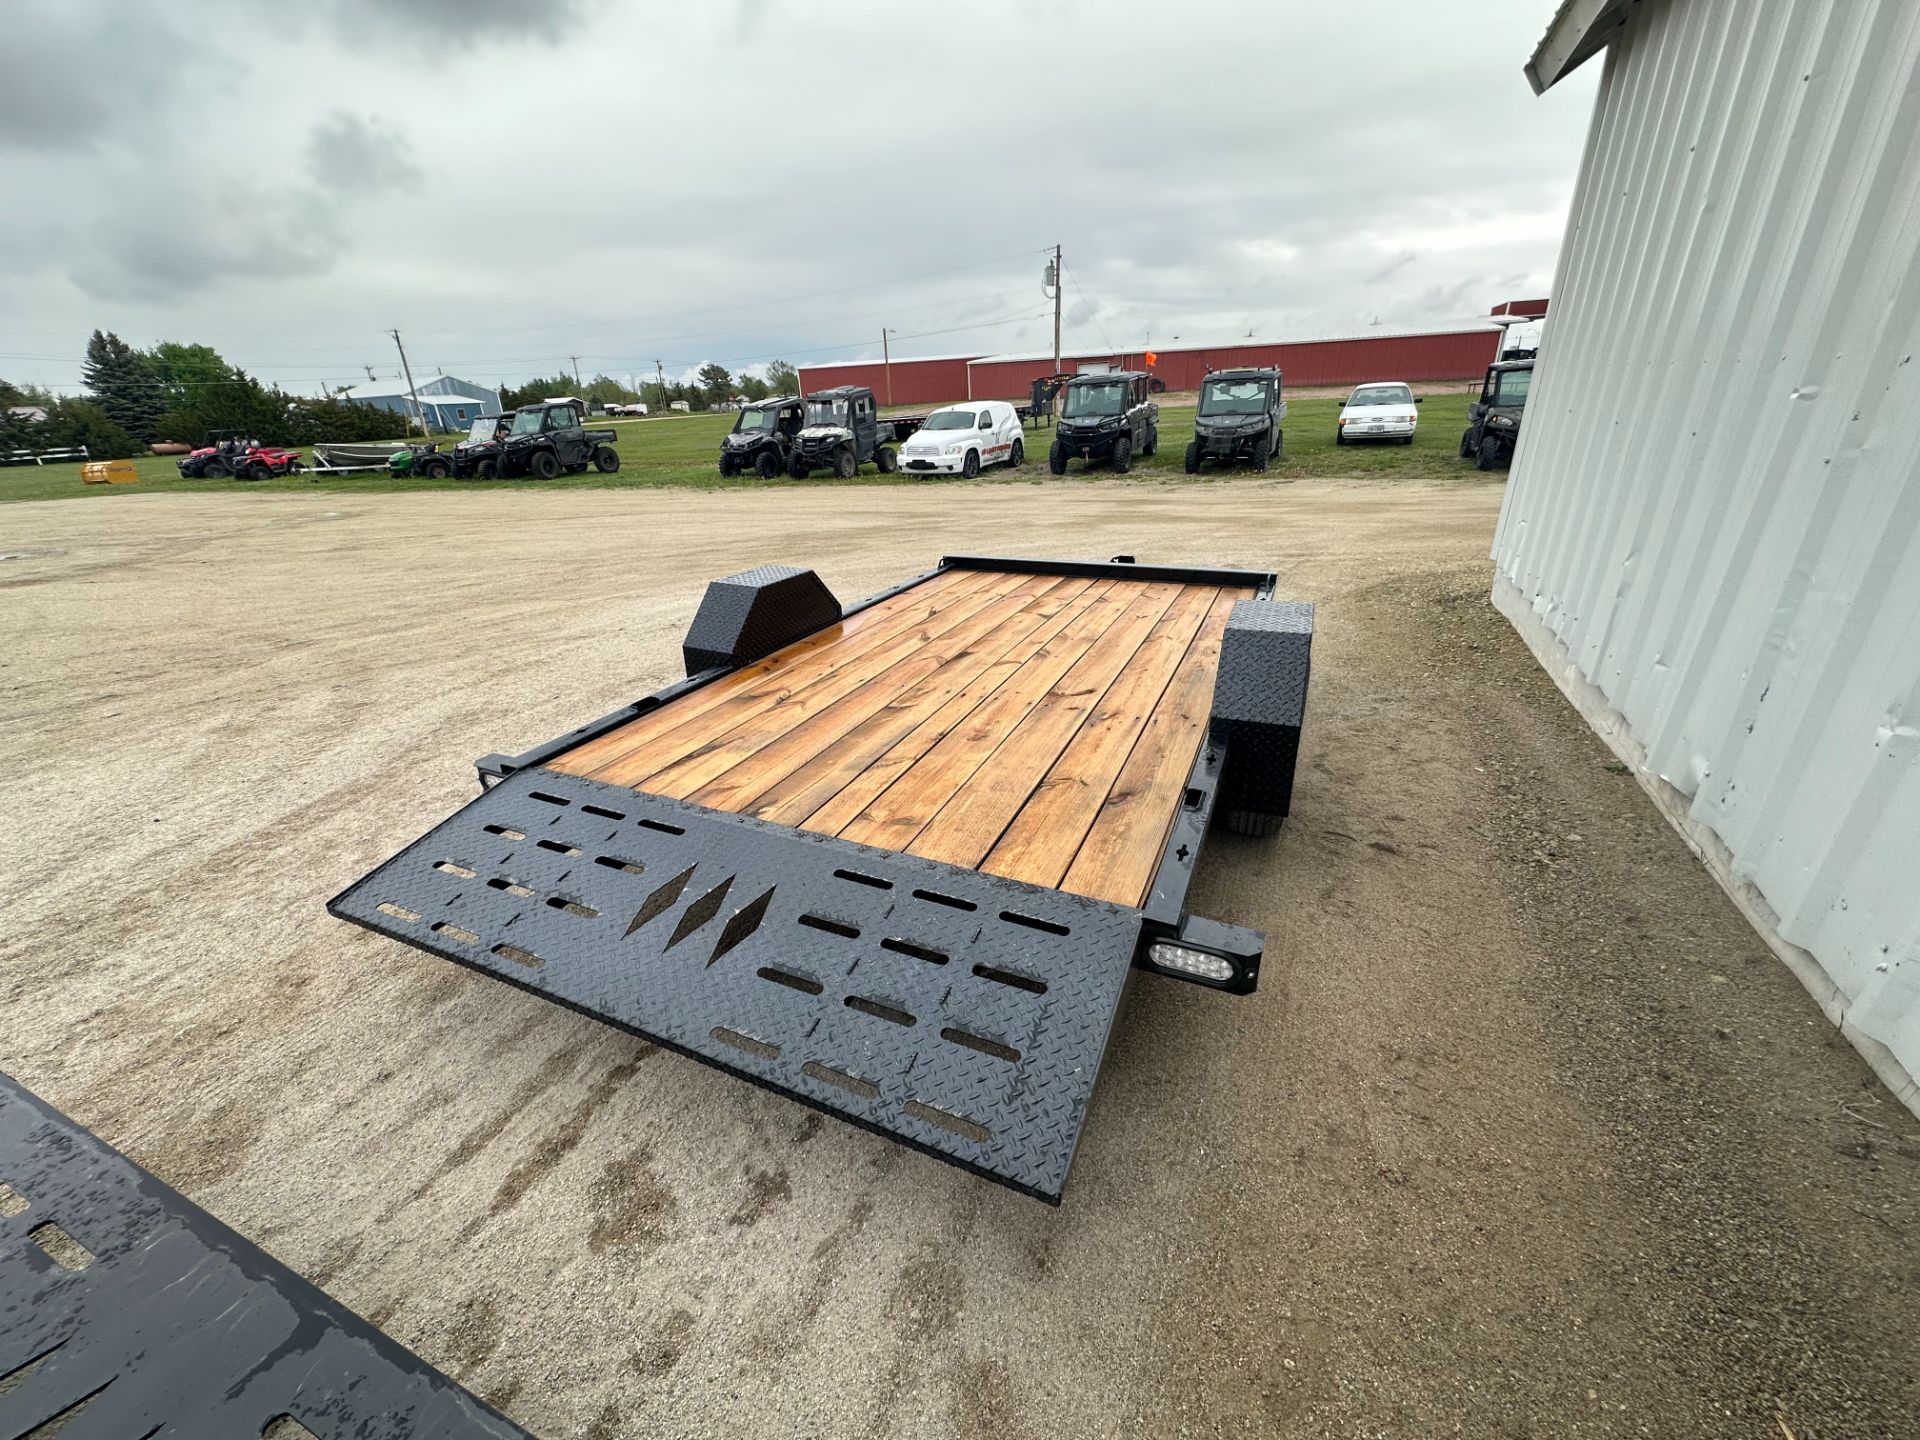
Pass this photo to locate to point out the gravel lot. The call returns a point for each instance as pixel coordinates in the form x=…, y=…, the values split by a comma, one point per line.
x=1525, y=1133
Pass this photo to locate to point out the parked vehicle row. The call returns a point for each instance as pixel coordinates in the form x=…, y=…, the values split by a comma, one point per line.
x=234, y=453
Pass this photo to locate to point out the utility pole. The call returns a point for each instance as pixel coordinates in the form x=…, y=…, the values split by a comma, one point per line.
x=886, y=359
x=1059, y=284
x=407, y=370
x=660, y=377
x=576, y=371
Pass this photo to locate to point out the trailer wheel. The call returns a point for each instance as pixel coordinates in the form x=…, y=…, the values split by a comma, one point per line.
x=1466, y=443
x=1193, y=457
x=970, y=467
x=1018, y=457
x=768, y=465
x=1122, y=455
x=886, y=459
x=606, y=460
x=844, y=465
x=1261, y=453
x=543, y=465
x=1057, y=458
x=1489, y=453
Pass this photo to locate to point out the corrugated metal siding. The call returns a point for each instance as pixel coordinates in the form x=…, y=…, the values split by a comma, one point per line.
x=915, y=382
x=1716, y=502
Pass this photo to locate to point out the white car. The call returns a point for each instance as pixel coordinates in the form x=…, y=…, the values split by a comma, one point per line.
x=961, y=439
x=1380, y=410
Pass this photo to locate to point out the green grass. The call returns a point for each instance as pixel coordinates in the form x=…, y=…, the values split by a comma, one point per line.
x=682, y=451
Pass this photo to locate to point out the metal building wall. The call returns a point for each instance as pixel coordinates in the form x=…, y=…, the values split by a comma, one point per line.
x=1712, y=526
x=915, y=382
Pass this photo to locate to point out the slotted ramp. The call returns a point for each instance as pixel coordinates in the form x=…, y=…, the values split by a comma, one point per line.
x=960, y=1012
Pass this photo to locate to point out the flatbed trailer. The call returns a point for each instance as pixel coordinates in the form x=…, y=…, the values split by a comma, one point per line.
x=899, y=861
x=128, y=1311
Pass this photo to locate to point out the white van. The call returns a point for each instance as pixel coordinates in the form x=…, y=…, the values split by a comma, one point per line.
x=961, y=439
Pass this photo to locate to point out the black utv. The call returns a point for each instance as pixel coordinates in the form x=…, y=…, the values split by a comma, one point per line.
x=545, y=439
x=1493, y=421
x=1106, y=417
x=762, y=437
x=1238, y=419
x=842, y=432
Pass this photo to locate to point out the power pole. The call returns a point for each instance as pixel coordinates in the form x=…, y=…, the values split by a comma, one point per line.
x=660, y=376
x=576, y=371
x=886, y=359
x=407, y=370
x=1059, y=284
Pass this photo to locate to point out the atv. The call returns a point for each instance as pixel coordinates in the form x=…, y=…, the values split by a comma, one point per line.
x=1106, y=416
x=550, y=437
x=842, y=433
x=475, y=456
x=1238, y=418
x=1493, y=421
x=762, y=438
x=233, y=453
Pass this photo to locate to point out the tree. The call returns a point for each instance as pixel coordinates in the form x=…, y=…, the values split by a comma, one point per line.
x=753, y=387
x=73, y=423
x=716, y=383
x=782, y=379
x=535, y=391
x=123, y=383
x=609, y=391
x=183, y=370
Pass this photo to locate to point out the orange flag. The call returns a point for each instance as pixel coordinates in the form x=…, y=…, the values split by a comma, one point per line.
x=1152, y=358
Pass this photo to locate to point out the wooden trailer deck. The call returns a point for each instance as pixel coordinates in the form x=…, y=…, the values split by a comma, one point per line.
x=1039, y=727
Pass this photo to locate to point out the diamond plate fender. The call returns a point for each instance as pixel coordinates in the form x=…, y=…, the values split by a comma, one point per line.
x=750, y=615
x=166, y=1323
x=961, y=1013
x=1259, y=705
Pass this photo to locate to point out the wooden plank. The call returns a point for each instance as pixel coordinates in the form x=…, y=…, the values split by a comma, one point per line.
x=1041, y=840
x=972, y=821
x=670, y=741
x=825, y=709
x=821, y=796
x=898, y=816
x=872, y=717
x=908, y=607
x=1118, y=858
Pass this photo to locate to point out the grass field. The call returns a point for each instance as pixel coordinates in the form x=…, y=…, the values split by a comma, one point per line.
x=682, y=451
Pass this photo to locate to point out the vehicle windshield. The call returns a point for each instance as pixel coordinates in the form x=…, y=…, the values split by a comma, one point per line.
x=757, y=420
x=1382, y=395
x=483, y=428
x=827, y=412
x=1513, y=387
x=950, y=420
x=1092, y=401
x=527, y=422
x=1233, y=397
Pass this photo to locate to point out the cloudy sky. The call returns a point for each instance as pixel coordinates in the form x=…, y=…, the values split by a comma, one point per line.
x=515, y=182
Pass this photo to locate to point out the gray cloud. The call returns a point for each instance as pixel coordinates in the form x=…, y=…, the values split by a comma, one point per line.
x=347, y=152
x=459, y=23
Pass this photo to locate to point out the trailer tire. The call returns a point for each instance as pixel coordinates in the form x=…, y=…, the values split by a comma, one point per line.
x=1057, y=458
x=886, y=459
x=970, y=467
x=606, y=460
x=543, y=465
x=1489, y=454
x=768, y=465
x=1261, y=453
x=1193, y=457
x=844, y=464
x=1122, y=455
x=1019, y=455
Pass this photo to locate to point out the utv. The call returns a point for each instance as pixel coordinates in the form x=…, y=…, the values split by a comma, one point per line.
x=547, y=438
x=477, y=455
x=1238, y=418
x=1493, y=421
x=762, y=438
x=842, y=433
x=1105, y=417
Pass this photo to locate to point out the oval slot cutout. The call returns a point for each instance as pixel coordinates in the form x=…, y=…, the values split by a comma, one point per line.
x=559, y=847
x=604, y=813
x=790, y=980
x=857, y=878
x=615, y=862
x=745, y=1042
x=506, y=832
x=454, y=932
x=663, y=827
x=832, y=927
x=515, y=953
x=452, y=869
x=1014, y=917
x=398, y=912
x=852, y=1084
x=512, y=887
x=918, y=952
x=946, y=1120
x=546, y=799
x=981, y=1043
x=879, y=1011
x=574, y=907
x=1007, y=977
x=952, y=902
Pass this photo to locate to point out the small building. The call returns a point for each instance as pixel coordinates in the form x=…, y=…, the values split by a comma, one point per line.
x=447, y=402
x=1711, y=531
x=32, y=414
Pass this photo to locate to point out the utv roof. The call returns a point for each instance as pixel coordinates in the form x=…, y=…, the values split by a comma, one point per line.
x=772, y=402
x=1098, y=375
x=1245, y=372
x=1526, y=364
x=838, y=391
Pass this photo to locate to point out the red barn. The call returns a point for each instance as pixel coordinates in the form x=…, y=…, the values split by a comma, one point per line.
x=932, y=381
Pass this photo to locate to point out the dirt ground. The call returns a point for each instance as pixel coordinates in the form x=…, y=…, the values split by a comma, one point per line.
x=1525, y=1134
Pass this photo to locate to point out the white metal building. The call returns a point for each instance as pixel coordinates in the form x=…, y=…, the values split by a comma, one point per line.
x=1711, y=535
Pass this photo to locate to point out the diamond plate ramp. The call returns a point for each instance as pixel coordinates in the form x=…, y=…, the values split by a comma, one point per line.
x=127, y=1312
x=961, y=1013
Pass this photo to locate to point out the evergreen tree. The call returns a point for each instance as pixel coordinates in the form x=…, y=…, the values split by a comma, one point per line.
x=122, y=382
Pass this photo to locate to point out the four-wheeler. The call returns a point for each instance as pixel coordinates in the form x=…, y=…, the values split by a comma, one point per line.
x=762, y=437
x=1493, y=421
x=1381, y=410
x=842, y=433
x=550, y=437
x=475, y=456
x=1238, y=418
x=897, y=860
x=233, y=452
x=1107, y=416
x=959, y=439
